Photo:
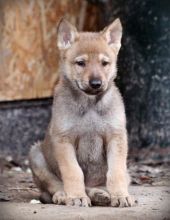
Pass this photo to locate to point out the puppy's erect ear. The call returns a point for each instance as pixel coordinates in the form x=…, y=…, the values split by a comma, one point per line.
x=66, y=34
x=113, y=34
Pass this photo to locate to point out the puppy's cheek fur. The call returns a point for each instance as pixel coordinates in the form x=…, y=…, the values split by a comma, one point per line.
x=112, y=72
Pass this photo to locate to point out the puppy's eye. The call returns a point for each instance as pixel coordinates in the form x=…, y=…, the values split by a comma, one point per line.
x=105, y=63
x=81, y=63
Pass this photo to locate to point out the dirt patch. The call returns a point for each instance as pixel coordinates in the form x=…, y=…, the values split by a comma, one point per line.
x=150, y=186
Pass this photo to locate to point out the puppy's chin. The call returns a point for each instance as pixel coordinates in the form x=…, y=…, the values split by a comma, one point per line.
x=93, y=92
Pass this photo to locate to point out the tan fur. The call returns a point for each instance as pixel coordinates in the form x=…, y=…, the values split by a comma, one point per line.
x=86, y=141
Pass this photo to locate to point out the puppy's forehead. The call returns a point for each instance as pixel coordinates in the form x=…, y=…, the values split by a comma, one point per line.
x=103, y=56
x=92, y=43
x=91, y=46
x=98, y=56
x=82, y=57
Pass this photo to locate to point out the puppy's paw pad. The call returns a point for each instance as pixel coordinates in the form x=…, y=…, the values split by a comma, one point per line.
x=122, y=201
x=59, y=198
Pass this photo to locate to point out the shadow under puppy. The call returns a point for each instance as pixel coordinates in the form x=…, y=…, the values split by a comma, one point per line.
x=86, y=142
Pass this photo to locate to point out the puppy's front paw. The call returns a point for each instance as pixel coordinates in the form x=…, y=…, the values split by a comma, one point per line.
x=81, y=201
x=59, y=198
x=99, y=197
x=122, y=201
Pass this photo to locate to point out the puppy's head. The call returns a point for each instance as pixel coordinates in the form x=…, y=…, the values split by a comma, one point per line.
x=89, y=59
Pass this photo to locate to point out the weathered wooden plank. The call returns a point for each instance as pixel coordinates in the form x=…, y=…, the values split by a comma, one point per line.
x=28, y=53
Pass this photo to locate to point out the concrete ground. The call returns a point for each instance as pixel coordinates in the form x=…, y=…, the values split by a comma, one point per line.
x=153, y=203
x=150, y=186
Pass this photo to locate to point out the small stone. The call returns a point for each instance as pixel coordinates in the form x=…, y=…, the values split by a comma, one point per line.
x=28, y=170
x=35, y=201
x=9, y=158
x=26, y=162
x=18, y=169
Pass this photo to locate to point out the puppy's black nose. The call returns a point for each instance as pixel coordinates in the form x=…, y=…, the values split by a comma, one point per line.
x=95, y=83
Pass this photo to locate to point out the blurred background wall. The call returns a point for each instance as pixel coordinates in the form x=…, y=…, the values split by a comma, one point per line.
x=143, y=67
x=29, y=65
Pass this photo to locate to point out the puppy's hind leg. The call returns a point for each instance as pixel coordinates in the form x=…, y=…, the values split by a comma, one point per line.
x=47, y=182
x=99, y=197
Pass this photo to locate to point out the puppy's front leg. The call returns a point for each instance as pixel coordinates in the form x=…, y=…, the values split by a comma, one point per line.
x=117, y=176
x=72, y=175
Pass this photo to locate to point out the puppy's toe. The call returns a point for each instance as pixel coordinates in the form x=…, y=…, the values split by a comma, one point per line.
x=59, y=198
x=82, y=201
x=122, y=201
x=86, y=202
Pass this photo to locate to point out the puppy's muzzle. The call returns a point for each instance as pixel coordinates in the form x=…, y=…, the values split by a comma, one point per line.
x=95, y=83
x=94, y=86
